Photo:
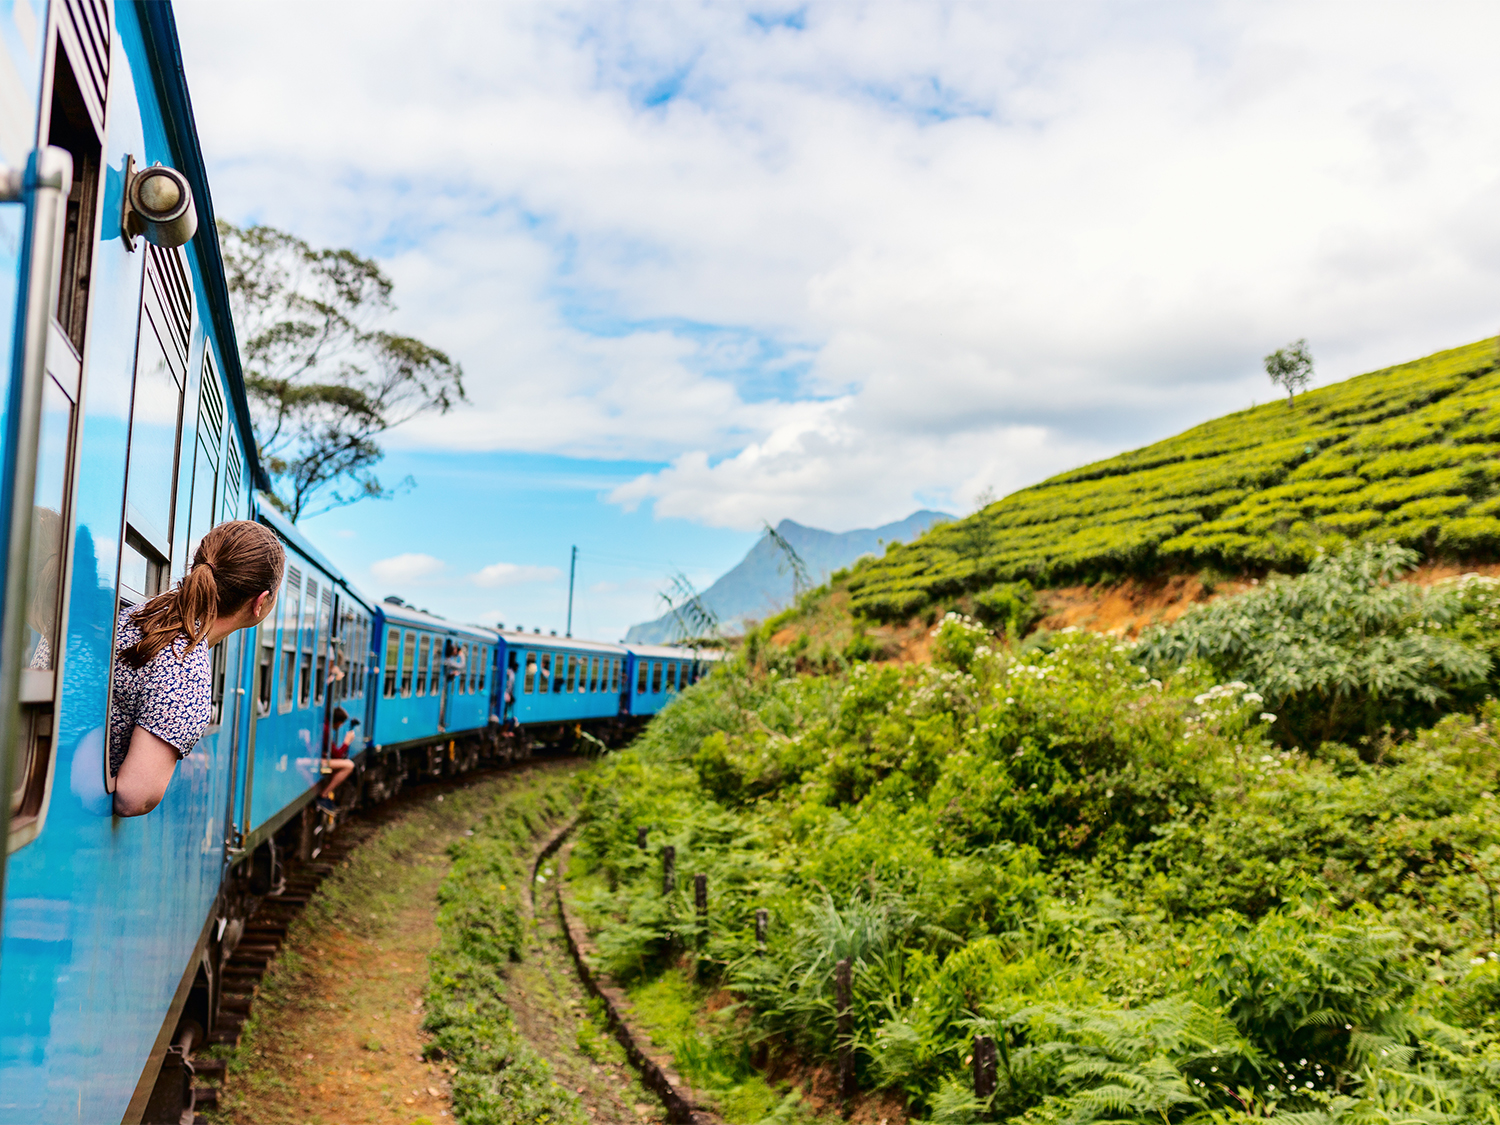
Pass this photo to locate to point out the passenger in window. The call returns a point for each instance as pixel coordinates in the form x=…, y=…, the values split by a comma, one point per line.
x=162, y=686
x=338, y=757
x=455, y=659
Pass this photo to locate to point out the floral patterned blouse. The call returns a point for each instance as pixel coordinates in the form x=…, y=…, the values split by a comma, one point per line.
x=171, y=695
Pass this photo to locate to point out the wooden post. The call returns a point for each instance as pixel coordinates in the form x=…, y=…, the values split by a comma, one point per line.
x=668, y=869
x=640, y=838
x=843, y=999
x=762, y=922
x=986, y=1063
x=700, y=900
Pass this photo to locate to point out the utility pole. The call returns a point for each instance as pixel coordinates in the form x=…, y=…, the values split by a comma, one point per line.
x=572, y=571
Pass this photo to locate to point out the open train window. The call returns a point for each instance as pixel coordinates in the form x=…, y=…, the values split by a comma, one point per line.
x=547, y=677
x=672, y=676
x=482, y=672
x=201, y=509
x=156, y=419
x=642, y=678
x=392, y=661
x=291, y=609
x=655, y=677
x=321, y=644
x=307, y=639
x=422, y=658
x=529, y=684
x=408, y=661
x=265, y=685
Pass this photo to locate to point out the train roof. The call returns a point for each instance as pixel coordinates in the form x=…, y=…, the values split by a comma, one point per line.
x=409, y=615
x=675, y=652
x=540, y=640
x=288, y=531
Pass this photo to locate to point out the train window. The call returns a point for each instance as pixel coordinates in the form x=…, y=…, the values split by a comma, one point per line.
x=422, y=657
x=156, y=412
x=594, y=674
x=529, y=685
x=219, y=664
x=233, y=469
x=672, y=676
x=560, y=674
x=265, y=661
x=307, y=638
x=206, y=456
x=486, y=657
x=408, y=661
x=392, y=660
x=546, y=681
x=656, y=667
x=325, y=619
x=643, y=671
x=479, y=656
x=291, y=600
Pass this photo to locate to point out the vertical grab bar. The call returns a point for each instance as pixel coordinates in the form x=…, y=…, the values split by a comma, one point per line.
x=44, y=188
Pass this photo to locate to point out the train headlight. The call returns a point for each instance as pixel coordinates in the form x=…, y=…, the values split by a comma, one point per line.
x=158, y=205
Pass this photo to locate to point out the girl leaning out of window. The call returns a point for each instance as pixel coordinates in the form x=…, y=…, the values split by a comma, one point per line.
x=162, y=689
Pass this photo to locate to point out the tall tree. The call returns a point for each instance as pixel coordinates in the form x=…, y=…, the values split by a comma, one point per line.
x=1290, y=368
x=324, y=378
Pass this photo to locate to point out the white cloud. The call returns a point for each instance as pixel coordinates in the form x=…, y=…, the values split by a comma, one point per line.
x=513, y=574
x=406, y=568
x=890, y=257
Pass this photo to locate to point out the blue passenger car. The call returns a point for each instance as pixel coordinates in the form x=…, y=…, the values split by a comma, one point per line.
x=560, y=680
x=656, y=673
x=311, y=655
x=126, y=437
x=434, y=684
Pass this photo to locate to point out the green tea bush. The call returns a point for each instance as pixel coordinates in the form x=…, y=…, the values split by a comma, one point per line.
x=1103, y=862
x=1339, y=653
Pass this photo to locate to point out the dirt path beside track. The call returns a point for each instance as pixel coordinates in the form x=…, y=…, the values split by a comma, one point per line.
x=335, y=1037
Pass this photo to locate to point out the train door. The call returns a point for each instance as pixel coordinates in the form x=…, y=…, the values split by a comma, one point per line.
x=46, y=385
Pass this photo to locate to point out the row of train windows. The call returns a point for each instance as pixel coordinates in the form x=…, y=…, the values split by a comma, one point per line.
x=416, y=662
x=573, y=673
x=324, y=646
x=654, y=676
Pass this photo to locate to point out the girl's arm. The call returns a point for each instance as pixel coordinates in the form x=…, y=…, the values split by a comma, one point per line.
x=144, y=775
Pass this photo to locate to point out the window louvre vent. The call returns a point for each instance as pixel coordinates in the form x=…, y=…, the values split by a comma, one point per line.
x=232, y=471
x=84, y=28
x=176, y=298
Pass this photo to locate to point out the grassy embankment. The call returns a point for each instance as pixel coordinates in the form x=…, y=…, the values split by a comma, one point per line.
x=1097, y=854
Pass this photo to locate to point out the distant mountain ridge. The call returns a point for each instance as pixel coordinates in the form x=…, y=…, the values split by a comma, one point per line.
x=761, y=583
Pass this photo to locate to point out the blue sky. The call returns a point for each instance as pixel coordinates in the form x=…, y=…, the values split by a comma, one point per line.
x=709, y=264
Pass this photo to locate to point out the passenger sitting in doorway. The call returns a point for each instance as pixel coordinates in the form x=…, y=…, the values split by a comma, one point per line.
x=162, y=685
x=510, y=685
x=338, y=755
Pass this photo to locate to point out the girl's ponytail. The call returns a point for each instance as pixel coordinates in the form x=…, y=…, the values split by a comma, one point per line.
x=235, y=563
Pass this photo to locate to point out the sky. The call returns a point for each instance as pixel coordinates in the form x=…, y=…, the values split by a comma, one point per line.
x=711, y=265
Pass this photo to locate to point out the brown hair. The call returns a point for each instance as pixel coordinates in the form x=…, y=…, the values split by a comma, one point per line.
x=234, y=564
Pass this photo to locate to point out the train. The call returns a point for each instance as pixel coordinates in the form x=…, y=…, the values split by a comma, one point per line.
x=126, y=435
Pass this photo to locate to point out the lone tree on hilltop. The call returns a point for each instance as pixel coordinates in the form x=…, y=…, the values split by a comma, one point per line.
x=1291, y=367
x=324, y=378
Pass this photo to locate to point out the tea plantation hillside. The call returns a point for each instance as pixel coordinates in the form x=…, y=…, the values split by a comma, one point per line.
x=1410, y=453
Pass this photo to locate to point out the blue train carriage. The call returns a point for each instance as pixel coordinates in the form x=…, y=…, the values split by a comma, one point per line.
x=559, y=686
x=312, y=654
x=122, y=373
x=434, y=713
x=658, y=672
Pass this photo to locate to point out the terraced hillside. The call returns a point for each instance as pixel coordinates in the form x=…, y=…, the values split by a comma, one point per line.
x=1409, y=453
